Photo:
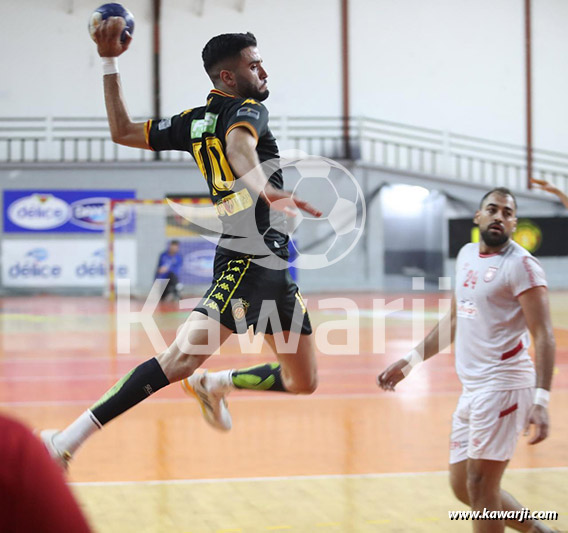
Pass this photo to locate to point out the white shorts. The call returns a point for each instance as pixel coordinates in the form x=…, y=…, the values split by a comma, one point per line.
x=487, y=424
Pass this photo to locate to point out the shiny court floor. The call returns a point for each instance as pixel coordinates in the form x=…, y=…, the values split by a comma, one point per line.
x=349, y=458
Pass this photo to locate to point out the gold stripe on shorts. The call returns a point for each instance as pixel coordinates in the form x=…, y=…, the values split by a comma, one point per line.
x=227, y=284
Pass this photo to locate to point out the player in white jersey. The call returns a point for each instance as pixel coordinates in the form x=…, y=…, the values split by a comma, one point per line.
x=501, y=295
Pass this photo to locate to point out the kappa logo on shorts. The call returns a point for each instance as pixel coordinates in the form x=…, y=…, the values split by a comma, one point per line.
x=212, y=305
x=240, y=309
x=490, y=274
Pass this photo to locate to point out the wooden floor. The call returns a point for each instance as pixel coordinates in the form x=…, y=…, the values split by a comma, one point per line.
x=349, y=458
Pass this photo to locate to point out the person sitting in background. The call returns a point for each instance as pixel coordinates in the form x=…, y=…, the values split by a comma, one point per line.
x=168, y=268
x=548, y=187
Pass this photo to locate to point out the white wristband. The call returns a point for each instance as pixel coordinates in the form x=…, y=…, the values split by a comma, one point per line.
x=541, y=397
x=412, y=358
x=110, y=65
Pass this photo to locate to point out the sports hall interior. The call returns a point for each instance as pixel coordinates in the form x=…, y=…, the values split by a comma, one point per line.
x=418, y=108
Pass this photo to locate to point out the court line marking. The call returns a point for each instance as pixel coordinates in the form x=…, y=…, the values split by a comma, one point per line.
x=380, y=475
x=115, y=377
x=365, y=370
x=379, y=394
x=236, y=399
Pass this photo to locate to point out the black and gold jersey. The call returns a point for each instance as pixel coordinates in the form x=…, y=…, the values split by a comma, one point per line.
x=202, y=132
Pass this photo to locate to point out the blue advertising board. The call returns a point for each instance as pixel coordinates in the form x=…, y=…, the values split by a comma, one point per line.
x=65, y=211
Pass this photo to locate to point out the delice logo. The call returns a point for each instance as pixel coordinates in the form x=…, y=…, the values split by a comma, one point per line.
x=91, y=213
x=39, y=212
x=34, y=266
x=95, y=266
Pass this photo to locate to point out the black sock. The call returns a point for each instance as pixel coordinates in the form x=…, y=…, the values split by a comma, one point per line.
x=262, y=377
x=137, y=385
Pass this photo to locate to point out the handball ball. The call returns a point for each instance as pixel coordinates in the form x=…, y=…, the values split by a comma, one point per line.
x=111, y=10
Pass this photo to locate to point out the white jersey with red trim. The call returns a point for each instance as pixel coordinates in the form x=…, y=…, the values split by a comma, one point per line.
x=492, y=338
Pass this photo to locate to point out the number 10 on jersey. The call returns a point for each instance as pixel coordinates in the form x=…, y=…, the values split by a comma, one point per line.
x=222, y=177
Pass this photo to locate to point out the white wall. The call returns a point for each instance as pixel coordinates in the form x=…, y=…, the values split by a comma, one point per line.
x=298, y=42
x=550, y=75
x=53, y=67
x=447, y=64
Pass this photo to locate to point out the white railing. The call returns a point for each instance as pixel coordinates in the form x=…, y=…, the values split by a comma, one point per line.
x=380, y=142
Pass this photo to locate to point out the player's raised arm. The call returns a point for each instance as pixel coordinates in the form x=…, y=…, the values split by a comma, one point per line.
x=241, y=153
x=433, y=343
x=548, y=187
x=536, y=310
x=109, y=46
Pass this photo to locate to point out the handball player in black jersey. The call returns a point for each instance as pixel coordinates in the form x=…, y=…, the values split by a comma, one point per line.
x=230, y=141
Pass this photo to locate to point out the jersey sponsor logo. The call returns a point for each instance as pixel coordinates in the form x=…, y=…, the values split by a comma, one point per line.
x=250, y=101
x=466, y=309
x=207, y=124
x=248, y=112
x=164, y=124
x=490, y=274
x=234, y=203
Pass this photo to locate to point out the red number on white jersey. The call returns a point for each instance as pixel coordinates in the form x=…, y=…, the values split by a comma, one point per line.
x=470, y=279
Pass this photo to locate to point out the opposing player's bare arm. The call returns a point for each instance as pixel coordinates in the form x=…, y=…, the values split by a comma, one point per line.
x=439, y=338
x=548, y=187
x=122, y=129
x=241, y=153
x=536, y=310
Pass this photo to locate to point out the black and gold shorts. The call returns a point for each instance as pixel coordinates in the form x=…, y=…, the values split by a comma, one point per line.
x=244, y=293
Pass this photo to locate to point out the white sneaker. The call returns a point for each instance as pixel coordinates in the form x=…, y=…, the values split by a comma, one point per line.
x=61, y=457
x=211, y=397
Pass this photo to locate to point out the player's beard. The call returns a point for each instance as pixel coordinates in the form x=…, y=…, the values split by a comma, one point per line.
x=251, y=91
x=494, y=239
